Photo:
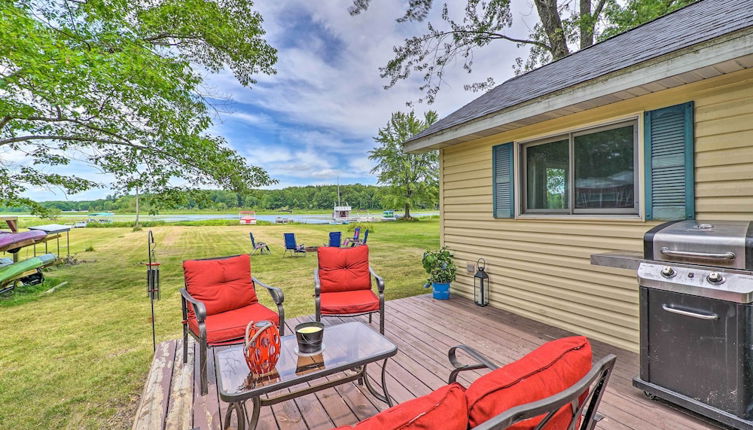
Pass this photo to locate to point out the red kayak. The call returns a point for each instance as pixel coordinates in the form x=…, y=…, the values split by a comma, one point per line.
x=7, y=240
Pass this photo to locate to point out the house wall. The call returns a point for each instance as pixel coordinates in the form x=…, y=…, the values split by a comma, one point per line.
x=540, y=268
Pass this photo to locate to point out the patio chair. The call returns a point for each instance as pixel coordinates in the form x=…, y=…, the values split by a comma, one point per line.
x=342, y=284
x=260, y=247
x=222, y=297
x=334, y=239
x=365, y=238
x=292, y=247
x=554, y=387
x=354, y=240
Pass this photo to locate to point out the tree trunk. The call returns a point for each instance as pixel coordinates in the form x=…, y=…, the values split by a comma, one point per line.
x=586, y=24
x=550, y=20
x=407, y=211
x=136, y=224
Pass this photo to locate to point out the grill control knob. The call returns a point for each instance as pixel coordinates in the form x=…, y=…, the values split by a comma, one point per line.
x=715, y=278
x=667, y=272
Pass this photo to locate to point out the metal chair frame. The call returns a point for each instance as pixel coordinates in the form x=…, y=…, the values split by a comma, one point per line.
x=260, y=247
x=380, y=287
x=200, y=311
x=593, y=383
x=299, y=249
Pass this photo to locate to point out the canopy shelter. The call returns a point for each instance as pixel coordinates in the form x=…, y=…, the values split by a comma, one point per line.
x=54, y=231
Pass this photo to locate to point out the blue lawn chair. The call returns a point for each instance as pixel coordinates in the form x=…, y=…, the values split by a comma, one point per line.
x=292, y=247
x=353, y=241
x=358, y=242
x=260, y=247
x=334, y=239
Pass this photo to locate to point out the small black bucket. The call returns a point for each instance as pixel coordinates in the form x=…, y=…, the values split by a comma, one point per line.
x=309, y=336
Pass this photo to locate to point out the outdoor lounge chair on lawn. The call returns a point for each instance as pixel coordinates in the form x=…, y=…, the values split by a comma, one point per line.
x=291, y=246
x=222, y=297
x=354, y=240
x=260, y=247
x=365, y=238
x=334, y=239
x=342, y=284
x=555, y=387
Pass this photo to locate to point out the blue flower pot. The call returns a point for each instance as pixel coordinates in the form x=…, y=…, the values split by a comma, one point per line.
x=441, y=291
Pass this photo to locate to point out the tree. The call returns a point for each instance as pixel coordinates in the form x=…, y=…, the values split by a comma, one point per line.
x=564, y=26
x=412, y=178
x=116, y=83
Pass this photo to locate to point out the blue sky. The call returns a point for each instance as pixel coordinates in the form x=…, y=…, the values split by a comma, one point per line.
x=314, y=120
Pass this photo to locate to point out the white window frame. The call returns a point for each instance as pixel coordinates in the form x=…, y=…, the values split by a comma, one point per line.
x=522, y=200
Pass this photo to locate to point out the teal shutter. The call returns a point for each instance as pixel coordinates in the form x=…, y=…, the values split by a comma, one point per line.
x=503, y=177
x=670, y=179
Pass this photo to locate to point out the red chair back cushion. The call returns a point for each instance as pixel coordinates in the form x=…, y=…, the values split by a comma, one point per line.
x=548, y=370
x=344, y=269
x=222, y=284
x=444, y=409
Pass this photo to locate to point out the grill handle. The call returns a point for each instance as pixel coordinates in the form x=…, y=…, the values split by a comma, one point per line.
x=689, y=313
x=705, y=255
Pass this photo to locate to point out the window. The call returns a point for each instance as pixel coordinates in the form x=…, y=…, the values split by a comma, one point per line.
x=586, y=172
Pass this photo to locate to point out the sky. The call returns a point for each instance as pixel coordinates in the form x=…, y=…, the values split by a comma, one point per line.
x=314, y=120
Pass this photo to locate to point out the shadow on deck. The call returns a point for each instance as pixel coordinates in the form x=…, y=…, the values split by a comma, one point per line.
x=423, y=329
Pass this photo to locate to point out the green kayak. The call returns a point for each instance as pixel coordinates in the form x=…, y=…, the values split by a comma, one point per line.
x=12, y=271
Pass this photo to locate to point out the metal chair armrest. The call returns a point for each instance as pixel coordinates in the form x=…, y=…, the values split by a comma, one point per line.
x=482, y=362
x=198, y=307
x=317, y=283
x=279, y=298
x=379, y=280
x=598, y=377
x=276, y=293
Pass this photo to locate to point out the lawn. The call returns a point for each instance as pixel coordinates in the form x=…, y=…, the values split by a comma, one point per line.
x=78, y=357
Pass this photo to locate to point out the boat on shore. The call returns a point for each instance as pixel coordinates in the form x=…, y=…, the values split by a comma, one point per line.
x=11, y=241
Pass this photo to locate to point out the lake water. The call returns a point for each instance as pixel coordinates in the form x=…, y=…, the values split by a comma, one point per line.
x=323, y=218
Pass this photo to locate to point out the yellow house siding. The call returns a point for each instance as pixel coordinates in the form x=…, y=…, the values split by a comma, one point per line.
x=540, y=268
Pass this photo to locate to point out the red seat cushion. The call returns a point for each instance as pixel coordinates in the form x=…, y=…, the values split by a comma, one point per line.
x=344, y=269
x=231, y=325
x=547, y=370
x=349, y=302
x=444, y=409
x=222, y=284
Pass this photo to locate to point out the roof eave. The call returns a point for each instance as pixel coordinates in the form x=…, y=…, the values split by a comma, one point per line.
x=736, y=47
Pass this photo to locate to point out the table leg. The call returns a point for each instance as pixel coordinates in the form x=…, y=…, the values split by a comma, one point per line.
x=254, y=413
x=240, y=410
x=383, y=397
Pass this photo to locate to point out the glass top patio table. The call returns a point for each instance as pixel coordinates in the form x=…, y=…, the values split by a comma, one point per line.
x=345, y=346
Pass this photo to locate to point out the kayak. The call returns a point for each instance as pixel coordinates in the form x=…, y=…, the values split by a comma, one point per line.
x=5, y=262
x=12, y=271
x=7, y=240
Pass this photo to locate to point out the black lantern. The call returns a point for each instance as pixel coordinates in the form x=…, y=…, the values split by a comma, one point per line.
x=481, y=284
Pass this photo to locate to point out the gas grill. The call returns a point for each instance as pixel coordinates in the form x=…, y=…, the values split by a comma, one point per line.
x=696, y=316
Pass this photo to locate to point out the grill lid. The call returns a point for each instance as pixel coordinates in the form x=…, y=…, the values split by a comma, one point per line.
x=711, y=243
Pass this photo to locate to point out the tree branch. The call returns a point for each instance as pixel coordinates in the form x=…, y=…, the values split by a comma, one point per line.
x=597, y=10
x=494, y=36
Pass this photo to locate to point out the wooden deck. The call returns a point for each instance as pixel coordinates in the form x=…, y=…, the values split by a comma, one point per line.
x=423, y=329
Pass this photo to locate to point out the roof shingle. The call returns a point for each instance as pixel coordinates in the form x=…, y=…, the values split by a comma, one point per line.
x=691, y=25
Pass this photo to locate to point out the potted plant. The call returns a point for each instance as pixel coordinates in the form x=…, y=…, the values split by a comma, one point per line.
x=441, y=269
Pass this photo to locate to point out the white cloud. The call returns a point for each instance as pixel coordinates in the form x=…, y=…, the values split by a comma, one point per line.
x=314, y=120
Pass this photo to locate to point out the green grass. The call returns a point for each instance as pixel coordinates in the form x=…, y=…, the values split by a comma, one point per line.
x=78, y=357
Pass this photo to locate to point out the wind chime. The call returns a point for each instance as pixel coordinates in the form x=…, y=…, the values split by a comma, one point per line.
x=152, y=281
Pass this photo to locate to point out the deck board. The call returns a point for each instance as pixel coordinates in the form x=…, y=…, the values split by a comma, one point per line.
x=423, y=329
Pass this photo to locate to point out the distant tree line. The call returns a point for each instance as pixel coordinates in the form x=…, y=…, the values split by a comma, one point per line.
x=307, y=197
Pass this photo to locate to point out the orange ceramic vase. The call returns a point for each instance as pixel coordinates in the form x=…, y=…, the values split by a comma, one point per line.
x=261, y=347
